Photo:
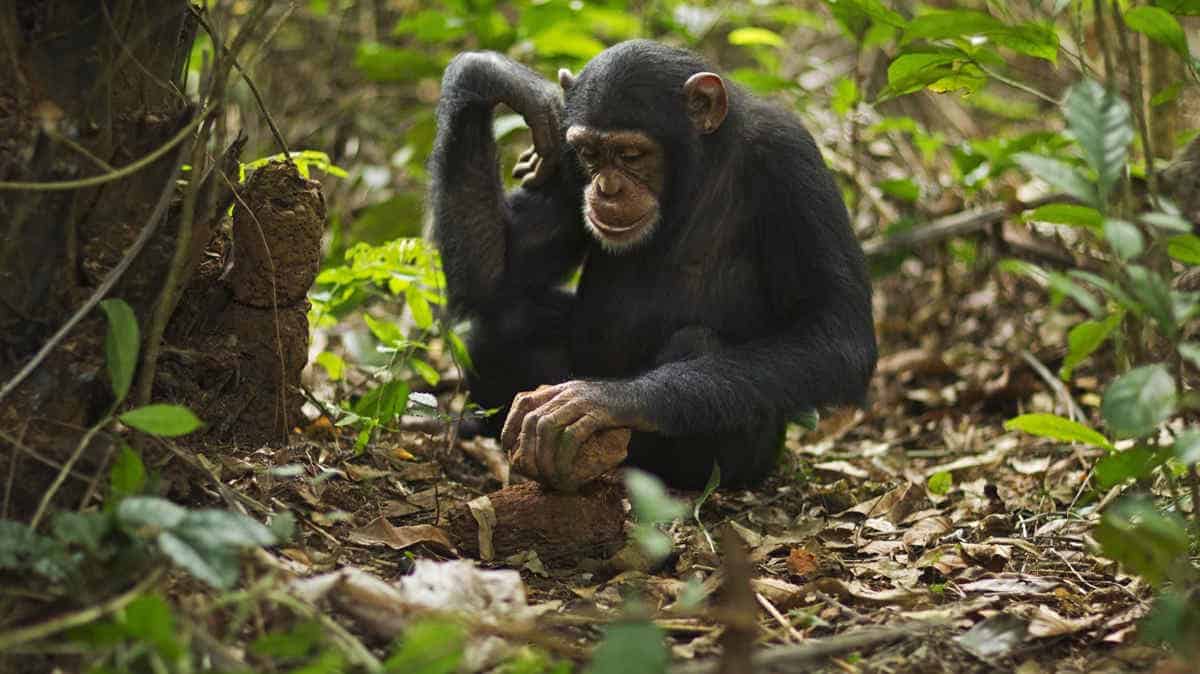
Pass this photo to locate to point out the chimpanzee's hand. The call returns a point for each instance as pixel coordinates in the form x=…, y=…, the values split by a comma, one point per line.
x=543, y=112
x=546, y=427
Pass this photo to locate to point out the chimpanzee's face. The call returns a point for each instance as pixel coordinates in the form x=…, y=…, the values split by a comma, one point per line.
x=625, y=169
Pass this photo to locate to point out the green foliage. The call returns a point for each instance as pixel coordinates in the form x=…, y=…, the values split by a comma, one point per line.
x=940, y=483
x=1139, y=400
x=1057, y=428
x=167, y=421
x=633, y=647
x=204, y=542
x=121, y=345
x=428, y=647
x=652, y=505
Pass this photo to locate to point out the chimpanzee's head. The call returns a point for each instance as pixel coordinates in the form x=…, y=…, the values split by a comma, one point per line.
x=635, y=117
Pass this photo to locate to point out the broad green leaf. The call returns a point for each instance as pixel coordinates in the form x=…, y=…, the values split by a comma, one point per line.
x=128, y=474
x=418, y=306
x=901, y=188
x=1154, y=296
x=1185, y=248
x=845, y=96
x=1191, y=353
x=384, y=402
x=1139, y=400
x=650, y=500
x=1187, y=447
x=381, y=63
x=218, y=567
x=1061, y=175
x=150, y=511
x=852, y=12
x=1056, y=428
x=1099, y=121
x=752, y=36
x=1168, y=94
x=939, y=69
x=808, y=419
x=1108, y=287
x=1131, y=464
x=1033, y=39
x=120, y=345
x=1084, y=339
x=940, y=483
x=86, y=530
x=148, y=618
x=1158, y=25
x=430, y=646
x=222, y=528
x=296, y=642
x=458, y=349
x=566, y=39
x=334, y=365
x=1169, y=222
x=167, y=421
x=425, y=371
x=1143, y=540
x=387, y=332
x=630, y=648
x=1069, y=214
x=1183, y=7
x=1063, y=283
x=1124, y=237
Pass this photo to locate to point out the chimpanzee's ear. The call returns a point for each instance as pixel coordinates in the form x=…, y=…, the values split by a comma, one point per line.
x=565, y=79
x=706, y=101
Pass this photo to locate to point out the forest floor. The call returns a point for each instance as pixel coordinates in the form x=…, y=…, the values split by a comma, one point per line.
x=987, y=566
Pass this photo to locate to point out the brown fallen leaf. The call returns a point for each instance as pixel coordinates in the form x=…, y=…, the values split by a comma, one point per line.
x=801, y=562
x=784, y=595
x=382, y=532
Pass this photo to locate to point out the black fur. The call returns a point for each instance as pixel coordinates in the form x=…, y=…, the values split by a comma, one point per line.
x=748, y=305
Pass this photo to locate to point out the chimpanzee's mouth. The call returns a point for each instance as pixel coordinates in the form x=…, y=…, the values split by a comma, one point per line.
x=607, y=230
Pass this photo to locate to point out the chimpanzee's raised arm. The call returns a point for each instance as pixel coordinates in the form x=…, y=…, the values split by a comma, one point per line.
x=497, y=247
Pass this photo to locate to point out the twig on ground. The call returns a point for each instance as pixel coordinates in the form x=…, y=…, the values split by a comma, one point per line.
x=791, y=631
x=796, y=658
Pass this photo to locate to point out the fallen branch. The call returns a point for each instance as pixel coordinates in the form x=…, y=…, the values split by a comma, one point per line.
x=792, y=658
x=957, y=224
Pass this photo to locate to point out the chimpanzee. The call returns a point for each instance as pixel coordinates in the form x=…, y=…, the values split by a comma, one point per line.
x=722, y=290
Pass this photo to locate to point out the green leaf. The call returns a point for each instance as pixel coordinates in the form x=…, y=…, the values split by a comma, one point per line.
x=148, y=618
x=294, y=643
x=1154, y=297
x=1036, y=40
x=940, y=70
x=419, y=307
x=1143, y=540
x=120, y=345
x=283, y=526
x=459, y=350
x=1069, y=214
x=1191, y=352
x=901, y=188
x=429, y=646
x=1084, y=339
x=1099, y=121
x=809, y=419
x=630, y=648
x=149, y=511
x=1061, y=175
x=1124, y=237
x=1169, y=222
x=1158, y=25
x=1056, y=428
x=1131, y=464
x=1139, y=400
x=384, y=402
x=752, y=36
x=651, y=502
x=86, y=530
x=128, y=475
x=222, y=528
x=1185, y=248
x=845, y=96
x=1187, y=447
x=425, y=371
x=940, y=482
x=216, y=566
x=387, y=332
x=334, y=365
x=381, y=63
x=167, y=421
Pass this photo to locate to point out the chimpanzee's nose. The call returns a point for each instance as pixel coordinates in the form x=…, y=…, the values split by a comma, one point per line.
x=609, y=185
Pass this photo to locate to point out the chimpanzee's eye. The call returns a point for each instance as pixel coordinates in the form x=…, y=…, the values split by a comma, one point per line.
x=631, y=154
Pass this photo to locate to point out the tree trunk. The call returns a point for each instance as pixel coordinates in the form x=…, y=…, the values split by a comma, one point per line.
x=91, y=87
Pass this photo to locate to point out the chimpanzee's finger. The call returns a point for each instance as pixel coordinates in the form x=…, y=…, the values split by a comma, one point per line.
x=538, y=174
x=522, y=404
